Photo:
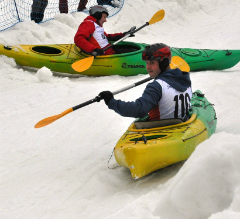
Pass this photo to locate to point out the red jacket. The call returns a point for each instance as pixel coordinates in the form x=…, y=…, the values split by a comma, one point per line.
x=85, y=41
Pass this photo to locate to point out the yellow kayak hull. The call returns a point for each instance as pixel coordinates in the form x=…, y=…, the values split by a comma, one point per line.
x=146, y=150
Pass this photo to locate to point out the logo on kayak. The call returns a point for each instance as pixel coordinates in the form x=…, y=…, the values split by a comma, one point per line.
x=125, y=65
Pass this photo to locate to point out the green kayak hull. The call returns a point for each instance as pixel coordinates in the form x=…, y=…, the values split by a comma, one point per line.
x=128, y=61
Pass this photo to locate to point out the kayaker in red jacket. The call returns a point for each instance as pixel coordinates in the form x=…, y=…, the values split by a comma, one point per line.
x=91, y=36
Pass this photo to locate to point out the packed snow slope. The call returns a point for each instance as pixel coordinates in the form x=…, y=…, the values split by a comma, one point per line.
x=64, y=170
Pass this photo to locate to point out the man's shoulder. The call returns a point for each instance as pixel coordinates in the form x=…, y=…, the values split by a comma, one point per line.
x=90, y=19
x=154, y=85
x=87, y=23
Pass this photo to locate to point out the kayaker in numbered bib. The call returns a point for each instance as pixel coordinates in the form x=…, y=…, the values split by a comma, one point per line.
x=91, y=37
x=168, y=96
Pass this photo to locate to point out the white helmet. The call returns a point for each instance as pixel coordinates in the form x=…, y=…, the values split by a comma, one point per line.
x=97, y=10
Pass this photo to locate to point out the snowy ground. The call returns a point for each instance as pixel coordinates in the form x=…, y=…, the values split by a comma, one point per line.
x=61, y=170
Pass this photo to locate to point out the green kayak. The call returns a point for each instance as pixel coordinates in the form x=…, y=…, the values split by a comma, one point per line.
x=127, y=61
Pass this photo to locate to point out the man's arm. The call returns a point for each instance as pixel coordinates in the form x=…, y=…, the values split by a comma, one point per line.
x=84, y=32
x=140, y=107
x=114, y=37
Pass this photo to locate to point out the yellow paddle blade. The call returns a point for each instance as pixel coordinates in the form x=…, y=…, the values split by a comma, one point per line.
x=83, y=64
x=51, y=119
x=157, y=17
x=178, y=62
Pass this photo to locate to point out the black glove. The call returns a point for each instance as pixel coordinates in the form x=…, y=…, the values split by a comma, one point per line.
x=97, y=52
x=106, y=95
x=129, y=31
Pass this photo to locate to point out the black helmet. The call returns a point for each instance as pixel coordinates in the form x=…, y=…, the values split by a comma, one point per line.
x=97, y=10
x=160, y=52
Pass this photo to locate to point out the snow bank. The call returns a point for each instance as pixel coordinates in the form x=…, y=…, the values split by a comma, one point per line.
x=207, y=183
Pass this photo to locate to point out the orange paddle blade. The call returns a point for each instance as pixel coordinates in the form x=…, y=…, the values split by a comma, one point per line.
x=178, y=62
x=157, y=17
x=83, y=64
x=51, y=119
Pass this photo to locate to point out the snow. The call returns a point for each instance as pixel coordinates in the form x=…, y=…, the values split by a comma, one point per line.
x=65, y=170
x=44, y=74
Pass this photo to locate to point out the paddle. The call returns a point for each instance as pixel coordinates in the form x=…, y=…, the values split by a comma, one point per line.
x=86, y=63
x=177, y=62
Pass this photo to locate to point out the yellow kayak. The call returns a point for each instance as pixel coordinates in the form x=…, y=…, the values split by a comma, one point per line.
x=147, y=146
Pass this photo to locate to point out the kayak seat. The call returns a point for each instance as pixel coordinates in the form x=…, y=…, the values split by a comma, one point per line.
x=157, y=123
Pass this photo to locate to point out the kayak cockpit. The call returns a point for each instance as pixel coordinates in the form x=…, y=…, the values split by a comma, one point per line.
x=157, y=123
x=126, y=48
x=46, y=50
x=121, y=49
x=144, y=125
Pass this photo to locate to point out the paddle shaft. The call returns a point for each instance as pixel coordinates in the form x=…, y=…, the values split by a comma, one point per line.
x=176, y=62
x=155, y=18
x=126, y=36
x=98, y=98
x=131, y=86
